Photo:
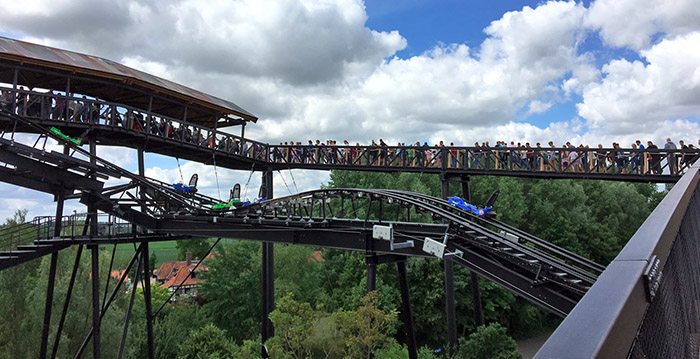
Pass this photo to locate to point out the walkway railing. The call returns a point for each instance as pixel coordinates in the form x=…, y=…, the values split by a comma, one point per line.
x=645, y=304
x=648, y=164
x=83, y=111
x=15, y=235
x=76, y=225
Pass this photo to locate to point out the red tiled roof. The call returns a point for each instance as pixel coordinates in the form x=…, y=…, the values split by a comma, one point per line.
x=117, y=273
x=167, y=269
x=316, y=256
x=182, y=273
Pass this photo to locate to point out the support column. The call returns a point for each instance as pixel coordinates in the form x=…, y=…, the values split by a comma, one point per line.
x=476, y=291
x=48, y=305
x=371, y=263
x=445, y=186
x=147, y=298
x=96, y=350
x=66, y=302
x=449, y=283
x=450, y=304
x=142, y=172
x=92, y=213
x=52, y=278
x=406, y=311
x=268, y=263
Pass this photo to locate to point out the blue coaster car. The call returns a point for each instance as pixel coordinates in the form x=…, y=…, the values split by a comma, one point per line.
x=255, y=201
x=183, y=188
x=481, y=212
x=191, y=188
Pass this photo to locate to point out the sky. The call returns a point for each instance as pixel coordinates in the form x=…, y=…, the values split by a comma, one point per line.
x=412, y=70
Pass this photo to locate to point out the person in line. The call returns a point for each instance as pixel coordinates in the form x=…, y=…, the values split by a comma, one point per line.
x=670, y=157
x=654, y=158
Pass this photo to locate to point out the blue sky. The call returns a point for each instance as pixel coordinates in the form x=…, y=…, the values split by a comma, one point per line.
x=460, y=71
x=426, y=23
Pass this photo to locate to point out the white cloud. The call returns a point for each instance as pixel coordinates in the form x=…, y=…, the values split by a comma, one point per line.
x=634, y=23
x=634, y=95
x=313, y=69
x=536, y=107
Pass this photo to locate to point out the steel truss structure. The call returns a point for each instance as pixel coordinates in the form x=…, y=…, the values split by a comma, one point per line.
x=387, y=225
x=546, y=275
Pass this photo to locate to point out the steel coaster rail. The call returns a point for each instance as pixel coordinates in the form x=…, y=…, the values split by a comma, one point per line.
x=560, y=252
x=466, y=226
x=500, y=240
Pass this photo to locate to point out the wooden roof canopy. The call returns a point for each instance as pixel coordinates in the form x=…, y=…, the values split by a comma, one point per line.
x=48, y=67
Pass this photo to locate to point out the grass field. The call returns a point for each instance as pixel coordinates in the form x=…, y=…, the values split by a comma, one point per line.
x=165, y=252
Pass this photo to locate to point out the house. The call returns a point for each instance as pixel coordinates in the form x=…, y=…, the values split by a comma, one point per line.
x=175, y=274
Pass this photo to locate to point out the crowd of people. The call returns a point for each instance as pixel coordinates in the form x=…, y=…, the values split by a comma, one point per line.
x=638, y=158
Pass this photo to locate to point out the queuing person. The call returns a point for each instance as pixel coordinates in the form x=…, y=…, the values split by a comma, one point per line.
x=654, y=158
x=670, y=157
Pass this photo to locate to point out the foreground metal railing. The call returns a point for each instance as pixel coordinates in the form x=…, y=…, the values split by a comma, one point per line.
x=645, y=304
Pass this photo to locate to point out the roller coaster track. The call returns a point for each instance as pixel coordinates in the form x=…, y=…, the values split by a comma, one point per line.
x=541, y=272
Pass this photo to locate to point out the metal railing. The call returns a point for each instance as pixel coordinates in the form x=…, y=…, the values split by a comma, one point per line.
x=590, y=162
x=15, y=235
x=645, y=304
x=82, y=110
x=76, y=225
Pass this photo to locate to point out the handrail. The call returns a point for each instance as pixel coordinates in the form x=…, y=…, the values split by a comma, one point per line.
x=74, y=226
x=606, y=320
x=627, y=162
x=17, y=234
x=80, y=109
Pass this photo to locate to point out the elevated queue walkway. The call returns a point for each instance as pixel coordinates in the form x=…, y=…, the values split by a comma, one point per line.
x=116, y=124
x=87, y=97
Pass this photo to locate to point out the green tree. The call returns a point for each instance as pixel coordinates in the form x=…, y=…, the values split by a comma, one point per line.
x=232, y=289
x=171, y=326
x=297, y=272
x=152, y=259
x=488, y=342
x=209, y=342
x=198, y=247
x=20, y=216
x=367, y=328
x=294, y=329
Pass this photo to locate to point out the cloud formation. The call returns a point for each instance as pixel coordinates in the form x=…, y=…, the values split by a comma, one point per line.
x=313, y=69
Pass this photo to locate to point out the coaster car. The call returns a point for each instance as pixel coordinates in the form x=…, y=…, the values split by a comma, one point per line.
x=459, y=202
x=191, y=188
x=235, y=200
x=484, y=212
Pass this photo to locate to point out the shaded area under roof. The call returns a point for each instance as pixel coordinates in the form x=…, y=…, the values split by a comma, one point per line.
x=115, y=82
